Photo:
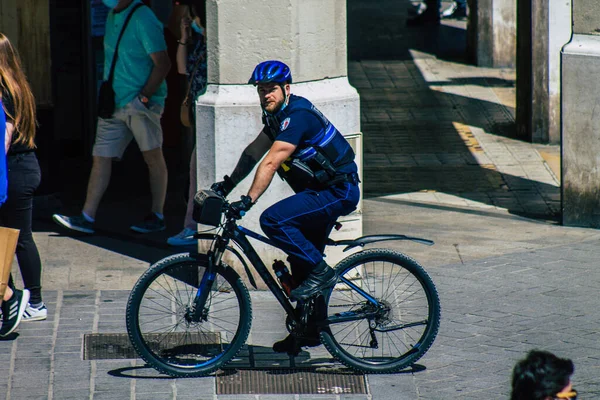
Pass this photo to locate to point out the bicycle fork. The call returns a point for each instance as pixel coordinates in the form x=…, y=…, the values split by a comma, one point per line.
x=200, y=310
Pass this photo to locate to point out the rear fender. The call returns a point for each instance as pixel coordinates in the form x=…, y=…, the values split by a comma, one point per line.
x=364, y=240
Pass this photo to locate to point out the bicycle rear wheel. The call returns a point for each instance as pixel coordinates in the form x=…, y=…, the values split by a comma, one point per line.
x=159, y=317
x=395, y=327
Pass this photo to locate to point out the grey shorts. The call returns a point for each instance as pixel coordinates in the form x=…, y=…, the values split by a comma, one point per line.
x=132, y=121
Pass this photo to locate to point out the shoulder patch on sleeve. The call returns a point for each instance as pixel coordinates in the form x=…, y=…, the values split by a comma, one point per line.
x=284, y=124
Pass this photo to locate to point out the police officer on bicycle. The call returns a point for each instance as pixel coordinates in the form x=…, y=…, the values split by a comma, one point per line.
x=313, y=157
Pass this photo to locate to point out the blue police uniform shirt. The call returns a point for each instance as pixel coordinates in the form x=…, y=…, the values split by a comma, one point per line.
x=143, y=36
x=301, y=125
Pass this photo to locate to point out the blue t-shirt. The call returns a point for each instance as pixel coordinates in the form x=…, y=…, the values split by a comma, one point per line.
x=143, y=36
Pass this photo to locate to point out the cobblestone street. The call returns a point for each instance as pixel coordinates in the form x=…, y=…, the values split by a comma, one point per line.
x=441, y=162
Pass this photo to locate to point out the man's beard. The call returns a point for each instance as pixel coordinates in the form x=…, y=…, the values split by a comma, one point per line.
x=272, y=107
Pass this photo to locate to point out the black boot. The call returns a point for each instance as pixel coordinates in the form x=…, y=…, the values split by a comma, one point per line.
x=320, y=278
x=292, y=345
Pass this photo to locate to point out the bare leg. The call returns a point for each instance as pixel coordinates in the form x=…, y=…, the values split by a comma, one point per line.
x=188, y=221
x=158, y=178
x=7, y=294
x=99, y=180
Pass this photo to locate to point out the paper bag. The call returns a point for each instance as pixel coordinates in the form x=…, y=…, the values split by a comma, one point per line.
x=8, y=245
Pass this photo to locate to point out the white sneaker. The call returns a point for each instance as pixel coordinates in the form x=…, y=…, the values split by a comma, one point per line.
x=35, y=314
x=450, y=10
x=417, y=9
x=183, y=238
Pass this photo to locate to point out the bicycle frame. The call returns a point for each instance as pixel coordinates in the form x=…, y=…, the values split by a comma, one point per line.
x=239, y=235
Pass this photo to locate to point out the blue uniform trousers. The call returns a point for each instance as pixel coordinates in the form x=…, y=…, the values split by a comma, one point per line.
x=300, y=224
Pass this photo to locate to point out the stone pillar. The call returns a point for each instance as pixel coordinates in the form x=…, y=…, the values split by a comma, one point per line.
x=580, y=120
x=309, y=36
x=544, y=26
x=492, y=33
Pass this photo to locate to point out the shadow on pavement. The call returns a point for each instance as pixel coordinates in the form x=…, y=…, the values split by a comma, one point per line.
x=491, y=81
x=261, y=358
x=126, y=202
x=416, y=135
x=377, y=31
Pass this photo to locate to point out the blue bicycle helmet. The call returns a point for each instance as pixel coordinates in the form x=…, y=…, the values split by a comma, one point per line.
x=271, y=71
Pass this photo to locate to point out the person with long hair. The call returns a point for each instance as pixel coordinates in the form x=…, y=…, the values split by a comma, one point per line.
x=24, y=177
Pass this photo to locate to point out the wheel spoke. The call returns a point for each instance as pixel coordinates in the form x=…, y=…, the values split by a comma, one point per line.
x=405, y=295
x=166, y=330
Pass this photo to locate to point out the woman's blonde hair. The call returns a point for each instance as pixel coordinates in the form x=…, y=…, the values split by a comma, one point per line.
x=13, y=81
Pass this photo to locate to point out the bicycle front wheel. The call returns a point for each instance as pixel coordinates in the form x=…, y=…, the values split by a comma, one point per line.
x=160, y=318
x=384, y=312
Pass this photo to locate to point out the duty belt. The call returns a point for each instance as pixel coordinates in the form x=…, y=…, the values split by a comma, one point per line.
x=343, y=178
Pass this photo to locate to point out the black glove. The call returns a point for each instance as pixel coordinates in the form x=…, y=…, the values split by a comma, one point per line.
x=224, y=187
x=239, y=208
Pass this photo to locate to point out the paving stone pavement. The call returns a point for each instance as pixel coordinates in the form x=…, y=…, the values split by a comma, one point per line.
x=494, y=309
x=437, y=129
x=441, y=162
x=431, y=133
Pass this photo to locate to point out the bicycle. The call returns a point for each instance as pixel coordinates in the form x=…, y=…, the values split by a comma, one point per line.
x=190, y=313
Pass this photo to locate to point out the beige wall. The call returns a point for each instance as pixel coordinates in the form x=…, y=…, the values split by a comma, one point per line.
x=493, y=34
x=308, y=35
x=580, y=122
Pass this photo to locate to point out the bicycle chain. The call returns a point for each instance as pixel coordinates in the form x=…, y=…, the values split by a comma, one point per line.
x=345, y=305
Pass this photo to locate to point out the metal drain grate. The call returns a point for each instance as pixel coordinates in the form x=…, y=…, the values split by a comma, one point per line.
x=107, y=346
x=231, y=380
x=116, y=346
x=289, y=381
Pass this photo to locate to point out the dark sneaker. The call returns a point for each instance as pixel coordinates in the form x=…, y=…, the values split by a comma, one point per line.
x=150, y=224
x=77, y=223
x=183, y=238
x=12, y=311
x=460, y=12
x=292, y=345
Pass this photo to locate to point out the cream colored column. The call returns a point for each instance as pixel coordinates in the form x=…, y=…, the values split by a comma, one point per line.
x=310, y=37
x=492, y=32
x=580, y=121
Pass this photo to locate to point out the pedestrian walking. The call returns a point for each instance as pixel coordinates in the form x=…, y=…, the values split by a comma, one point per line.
x=18, y=125
x=135, y=47
x=428, y=12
